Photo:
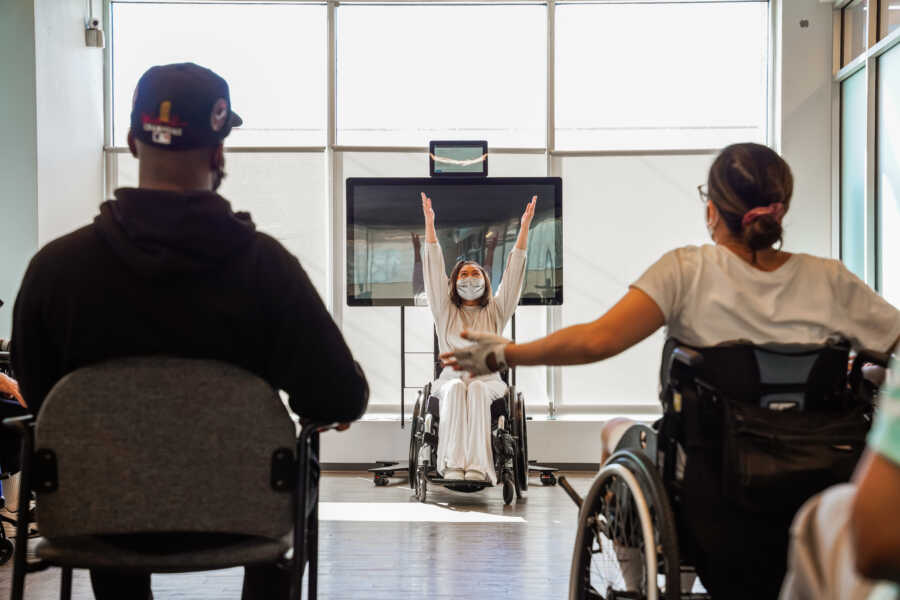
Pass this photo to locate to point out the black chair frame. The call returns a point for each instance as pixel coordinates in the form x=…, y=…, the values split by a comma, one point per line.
x=304, y=475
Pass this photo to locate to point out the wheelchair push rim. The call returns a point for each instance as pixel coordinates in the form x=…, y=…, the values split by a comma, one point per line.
x=520, y=431
x=623, y=514
x=413, y=444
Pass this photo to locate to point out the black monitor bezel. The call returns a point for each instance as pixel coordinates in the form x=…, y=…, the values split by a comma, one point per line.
x=556, y=182
x=432, y=145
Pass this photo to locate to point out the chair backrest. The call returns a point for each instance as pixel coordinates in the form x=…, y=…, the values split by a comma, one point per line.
x=161, y=444
x=776, y=376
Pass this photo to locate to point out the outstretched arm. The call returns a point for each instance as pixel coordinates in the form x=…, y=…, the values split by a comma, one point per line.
x=433, y=268
x=430, y=234
x=632, y=319
x=522, y=240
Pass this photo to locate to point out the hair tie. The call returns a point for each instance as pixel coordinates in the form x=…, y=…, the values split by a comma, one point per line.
x=776, y=210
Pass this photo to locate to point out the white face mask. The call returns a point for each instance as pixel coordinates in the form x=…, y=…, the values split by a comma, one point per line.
x=470, y=288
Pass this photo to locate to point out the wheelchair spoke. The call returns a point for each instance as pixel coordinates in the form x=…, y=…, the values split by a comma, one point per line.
x=616, y=566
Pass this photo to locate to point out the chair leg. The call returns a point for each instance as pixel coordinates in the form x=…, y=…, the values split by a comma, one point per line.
x=65, y=589
x=312, y=551
x=20, y=557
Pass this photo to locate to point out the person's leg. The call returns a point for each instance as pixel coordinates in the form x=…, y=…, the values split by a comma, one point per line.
x=631, y=563
x=113, y=585
x=451, y=436
x=267, y=582
x=821, y=561
x=478, y=453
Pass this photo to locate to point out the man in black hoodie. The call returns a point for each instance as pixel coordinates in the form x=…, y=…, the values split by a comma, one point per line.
x=168, y=268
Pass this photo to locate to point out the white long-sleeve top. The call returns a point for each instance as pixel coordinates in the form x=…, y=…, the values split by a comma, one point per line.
x=450, y=320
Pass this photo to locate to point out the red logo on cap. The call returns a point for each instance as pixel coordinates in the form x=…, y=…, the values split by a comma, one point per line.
x=219, y=115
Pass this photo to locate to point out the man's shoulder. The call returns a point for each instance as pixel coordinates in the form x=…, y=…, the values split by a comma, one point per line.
x=272, y=252
x=70, y=247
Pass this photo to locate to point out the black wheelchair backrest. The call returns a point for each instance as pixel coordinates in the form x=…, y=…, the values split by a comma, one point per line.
x=778, y=377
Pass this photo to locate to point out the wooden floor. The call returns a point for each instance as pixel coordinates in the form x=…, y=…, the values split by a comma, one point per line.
x=398, y=560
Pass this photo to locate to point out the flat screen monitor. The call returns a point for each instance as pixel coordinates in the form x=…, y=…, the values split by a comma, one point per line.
x=476, y=219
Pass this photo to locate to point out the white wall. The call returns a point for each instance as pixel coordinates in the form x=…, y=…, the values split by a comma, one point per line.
x=805, y=97
x=18, y=150
x=51, y=107
x=69, y=85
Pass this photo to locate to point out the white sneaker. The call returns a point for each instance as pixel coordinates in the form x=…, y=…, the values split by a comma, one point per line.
x=454, y=474
x=475, y=475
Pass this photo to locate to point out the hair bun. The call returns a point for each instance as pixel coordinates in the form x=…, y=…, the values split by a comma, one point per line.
x=762, y=232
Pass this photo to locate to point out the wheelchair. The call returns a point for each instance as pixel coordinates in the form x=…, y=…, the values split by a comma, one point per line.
x=7, y=546
x=748, y=434
x=509, y=443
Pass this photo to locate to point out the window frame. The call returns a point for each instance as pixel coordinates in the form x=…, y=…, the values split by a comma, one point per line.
x=876, y=44
x=334, y=296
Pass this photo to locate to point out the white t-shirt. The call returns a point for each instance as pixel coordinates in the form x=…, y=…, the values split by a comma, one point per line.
x=709, y=295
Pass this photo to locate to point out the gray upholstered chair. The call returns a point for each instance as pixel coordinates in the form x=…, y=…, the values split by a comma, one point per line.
x=168, y=465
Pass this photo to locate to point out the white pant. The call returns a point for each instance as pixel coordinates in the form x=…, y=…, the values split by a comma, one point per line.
x=821, y=561
x=464, y=439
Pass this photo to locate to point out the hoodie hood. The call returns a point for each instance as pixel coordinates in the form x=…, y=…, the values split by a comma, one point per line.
x=162, y=233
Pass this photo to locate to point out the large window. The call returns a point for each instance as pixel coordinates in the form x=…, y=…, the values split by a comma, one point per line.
x=868, y=198
x=410, y=74
x=643, y=94
x=272, y=56
x=855, y=28
x=889, y=174
x=660, y=75
x=853, y=173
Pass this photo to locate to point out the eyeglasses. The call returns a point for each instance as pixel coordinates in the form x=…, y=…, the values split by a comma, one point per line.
x=703, y=190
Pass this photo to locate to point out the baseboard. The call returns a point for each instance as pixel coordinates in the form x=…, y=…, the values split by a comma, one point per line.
x=568, y=466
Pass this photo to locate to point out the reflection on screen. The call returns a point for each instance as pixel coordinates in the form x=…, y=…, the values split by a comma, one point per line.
x=458, y=159
x=475, y=220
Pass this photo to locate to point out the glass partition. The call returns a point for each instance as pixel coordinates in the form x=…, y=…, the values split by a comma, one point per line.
x=853, y=173
x=889, y=174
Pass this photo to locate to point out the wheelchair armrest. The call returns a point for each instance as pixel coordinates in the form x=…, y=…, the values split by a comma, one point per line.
x=872, y=357
x=23, y=424
x=687, y=356
x=863, y=358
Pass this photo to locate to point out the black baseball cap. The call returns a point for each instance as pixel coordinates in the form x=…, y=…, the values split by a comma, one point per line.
x=182, y=106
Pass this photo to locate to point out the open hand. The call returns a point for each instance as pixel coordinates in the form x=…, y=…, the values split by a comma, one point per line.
x=528, y=215
x=485, y=356
x=427, y=210
x=10, y=387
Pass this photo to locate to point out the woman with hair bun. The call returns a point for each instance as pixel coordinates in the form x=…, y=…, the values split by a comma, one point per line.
x=743, y=286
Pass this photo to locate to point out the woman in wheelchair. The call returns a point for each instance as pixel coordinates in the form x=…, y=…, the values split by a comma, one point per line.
x=741, y=287
x=464, y=301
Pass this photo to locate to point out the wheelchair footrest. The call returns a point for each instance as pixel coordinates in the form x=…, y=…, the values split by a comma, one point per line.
x=462, y=486
x=539, y=469
x=404, y=466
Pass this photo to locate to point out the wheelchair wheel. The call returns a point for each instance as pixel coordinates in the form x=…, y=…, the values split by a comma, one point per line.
x=508, y=487
x=7, y=549
x=421, y=484
x=520, y=461
x=413, y=444
x=626, y=545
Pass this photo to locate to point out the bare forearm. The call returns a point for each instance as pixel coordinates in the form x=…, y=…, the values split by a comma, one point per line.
x=522, y=240
x=575, y=345
x=430, y=234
